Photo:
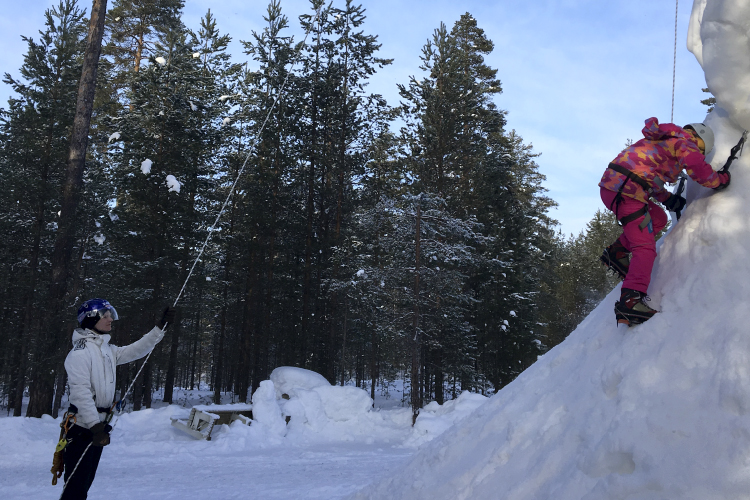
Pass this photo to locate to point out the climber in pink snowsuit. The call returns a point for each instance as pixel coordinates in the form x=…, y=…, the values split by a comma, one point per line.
x=636, y=175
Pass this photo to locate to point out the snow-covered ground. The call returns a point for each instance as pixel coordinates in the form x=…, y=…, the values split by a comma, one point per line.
x=150, y=459
x=335, y=443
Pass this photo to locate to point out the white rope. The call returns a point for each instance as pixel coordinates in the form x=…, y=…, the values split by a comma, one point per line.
x=252, y=148
x=74, y=469
x=674, y=63
x=218, y=217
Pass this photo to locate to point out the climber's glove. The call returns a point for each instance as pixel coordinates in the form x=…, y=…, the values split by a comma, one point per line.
x=724, y=178
x=167, y=318
x=100, y=434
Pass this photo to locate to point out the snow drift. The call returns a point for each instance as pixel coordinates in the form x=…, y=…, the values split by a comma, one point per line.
x=658, y=411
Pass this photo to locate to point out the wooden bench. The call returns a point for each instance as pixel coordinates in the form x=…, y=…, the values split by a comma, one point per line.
x=203, y=418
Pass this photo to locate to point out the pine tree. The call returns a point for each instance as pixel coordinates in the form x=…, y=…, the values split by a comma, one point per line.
x=167, y=136
x=35, y=138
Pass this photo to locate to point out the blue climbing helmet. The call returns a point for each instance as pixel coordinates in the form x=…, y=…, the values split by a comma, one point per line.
x=95, y=308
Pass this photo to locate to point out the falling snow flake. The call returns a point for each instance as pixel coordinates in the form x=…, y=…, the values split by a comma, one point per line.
x=146, y=166
x=173, y=184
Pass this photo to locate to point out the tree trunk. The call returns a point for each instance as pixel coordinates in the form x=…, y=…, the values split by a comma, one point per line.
x=248, y=328
x=147, y=385
x=416, y=400
x=219, y=363
x=50, y=353
x=19, y=383
x=373, y=362
x=174, y=329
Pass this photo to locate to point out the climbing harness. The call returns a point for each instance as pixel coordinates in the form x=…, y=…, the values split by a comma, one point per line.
x=119, y=406
x=630, y=176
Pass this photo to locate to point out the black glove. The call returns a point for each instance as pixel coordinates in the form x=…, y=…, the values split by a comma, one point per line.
x=168, y=317
x=675, y=203
x=100, y=434
x=724, y=178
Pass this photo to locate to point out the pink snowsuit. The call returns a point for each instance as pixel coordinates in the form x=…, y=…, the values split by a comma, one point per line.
x=657, y=159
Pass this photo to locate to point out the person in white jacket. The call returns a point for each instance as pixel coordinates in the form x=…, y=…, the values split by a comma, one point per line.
x=91, y=368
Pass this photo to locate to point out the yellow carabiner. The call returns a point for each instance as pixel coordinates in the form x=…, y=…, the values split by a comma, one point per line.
x=61, y=444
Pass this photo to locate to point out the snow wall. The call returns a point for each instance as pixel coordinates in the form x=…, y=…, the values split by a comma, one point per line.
x=657, y=411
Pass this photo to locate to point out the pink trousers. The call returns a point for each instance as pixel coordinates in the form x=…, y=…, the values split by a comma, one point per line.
x=641, y=243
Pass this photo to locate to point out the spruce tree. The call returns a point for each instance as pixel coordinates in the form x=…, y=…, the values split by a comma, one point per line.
x=35, y=138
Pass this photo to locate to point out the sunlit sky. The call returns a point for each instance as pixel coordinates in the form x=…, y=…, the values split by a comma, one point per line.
x=579, y=77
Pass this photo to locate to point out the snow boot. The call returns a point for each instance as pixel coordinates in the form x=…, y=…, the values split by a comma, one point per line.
x=617, y=258
x=632, y=309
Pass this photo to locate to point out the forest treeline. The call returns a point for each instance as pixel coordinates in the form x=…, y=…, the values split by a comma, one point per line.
x=366, y=240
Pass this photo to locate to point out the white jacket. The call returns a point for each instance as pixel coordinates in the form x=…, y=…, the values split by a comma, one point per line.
x=91, y=370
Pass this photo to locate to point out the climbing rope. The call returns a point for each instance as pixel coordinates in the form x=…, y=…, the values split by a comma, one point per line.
x=119, y=406
x=674, y=62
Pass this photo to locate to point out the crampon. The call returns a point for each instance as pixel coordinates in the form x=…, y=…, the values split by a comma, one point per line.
x=632, y=309
x=616, y=258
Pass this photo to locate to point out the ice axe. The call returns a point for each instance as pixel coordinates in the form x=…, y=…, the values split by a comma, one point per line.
x=735, y=152
x=680, y=189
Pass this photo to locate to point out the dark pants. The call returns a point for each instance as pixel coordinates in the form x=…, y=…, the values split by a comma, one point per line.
x=78, y=486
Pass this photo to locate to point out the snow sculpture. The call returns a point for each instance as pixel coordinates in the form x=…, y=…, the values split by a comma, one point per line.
x=266, y=411
x=719, y=37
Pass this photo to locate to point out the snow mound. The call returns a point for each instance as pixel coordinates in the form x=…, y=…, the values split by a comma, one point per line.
x=266, y=411
x=320, y=406
x=658, y=411
x=435, y=419
x=287, y=379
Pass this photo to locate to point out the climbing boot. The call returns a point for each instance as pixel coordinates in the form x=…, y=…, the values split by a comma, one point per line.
x=617, y=258
x=632, y=309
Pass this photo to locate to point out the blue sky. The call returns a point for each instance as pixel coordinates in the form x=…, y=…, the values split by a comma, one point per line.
x=579, y=76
